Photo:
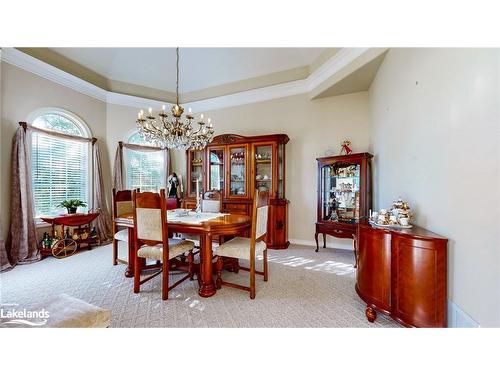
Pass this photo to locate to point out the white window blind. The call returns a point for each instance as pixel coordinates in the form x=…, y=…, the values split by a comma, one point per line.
x=60, y=166
x=144, y=169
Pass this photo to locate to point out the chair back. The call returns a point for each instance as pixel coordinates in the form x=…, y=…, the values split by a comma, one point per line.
x=212, y=201
x=172, y=203
x=122, y=202
x=260, y=214
x=150, y=221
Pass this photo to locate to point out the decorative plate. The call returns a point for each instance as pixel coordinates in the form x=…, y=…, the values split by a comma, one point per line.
x=390, y=226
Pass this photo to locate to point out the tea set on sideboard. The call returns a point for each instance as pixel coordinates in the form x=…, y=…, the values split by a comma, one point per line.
x=397, y=216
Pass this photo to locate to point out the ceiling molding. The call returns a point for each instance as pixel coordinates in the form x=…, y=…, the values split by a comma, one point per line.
x=251, y=96
x=332, y=66
x=335, y=63
x=133, y=101
x=44, y=70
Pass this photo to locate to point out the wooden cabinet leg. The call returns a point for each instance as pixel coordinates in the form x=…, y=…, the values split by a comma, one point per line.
x=371, y=314
x=324, y=240
x=354, y=247
x=316, y=238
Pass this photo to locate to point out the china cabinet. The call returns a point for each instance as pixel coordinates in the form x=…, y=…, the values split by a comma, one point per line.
x=344, y=194
x=237, y=166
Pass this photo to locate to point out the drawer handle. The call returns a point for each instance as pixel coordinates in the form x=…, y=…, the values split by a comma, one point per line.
x=338, y=231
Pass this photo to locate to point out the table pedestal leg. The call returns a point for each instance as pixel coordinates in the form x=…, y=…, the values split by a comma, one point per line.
x=207, y=284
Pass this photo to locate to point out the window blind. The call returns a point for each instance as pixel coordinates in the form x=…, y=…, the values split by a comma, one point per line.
x=60, y=171
x=145, y=170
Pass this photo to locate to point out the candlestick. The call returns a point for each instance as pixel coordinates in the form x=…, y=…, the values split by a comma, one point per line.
x=198, y=205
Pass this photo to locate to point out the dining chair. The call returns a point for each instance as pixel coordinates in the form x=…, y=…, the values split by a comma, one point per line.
x=211, y=202
x=248, y=248
x=152, y=240
x=121, y=205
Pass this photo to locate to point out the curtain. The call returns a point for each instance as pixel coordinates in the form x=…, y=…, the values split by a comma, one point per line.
x=168, y=165
x=4, y=259
x=21, y=244
x=103, y=221
x=118, y=173
x=21, y=241
x=118, y=168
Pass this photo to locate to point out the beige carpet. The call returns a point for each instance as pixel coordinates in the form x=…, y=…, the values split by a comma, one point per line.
x=305, y=289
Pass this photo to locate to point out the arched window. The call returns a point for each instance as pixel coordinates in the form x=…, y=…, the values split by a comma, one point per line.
x=144, y=169
x=61, y=167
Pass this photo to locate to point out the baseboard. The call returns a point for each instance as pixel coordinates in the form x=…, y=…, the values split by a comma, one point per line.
x=329, y=244
x=457, y=318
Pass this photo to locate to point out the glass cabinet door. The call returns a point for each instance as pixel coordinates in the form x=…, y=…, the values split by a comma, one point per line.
x=216, y=169
x=264, y=168
x=281, y=171
x=340, y=196
x=196, y=166
x=237, y=172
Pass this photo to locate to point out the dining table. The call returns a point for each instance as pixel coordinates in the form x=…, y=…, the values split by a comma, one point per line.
x=205, y=225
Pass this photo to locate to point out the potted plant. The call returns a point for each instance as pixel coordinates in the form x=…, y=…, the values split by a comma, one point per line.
x=72, y=204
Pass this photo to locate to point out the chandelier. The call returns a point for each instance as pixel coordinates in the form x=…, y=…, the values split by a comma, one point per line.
x=175, y=131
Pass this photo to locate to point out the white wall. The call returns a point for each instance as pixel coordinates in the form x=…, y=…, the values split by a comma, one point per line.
x=313, y=127
x=22, y=93
x=435, y=130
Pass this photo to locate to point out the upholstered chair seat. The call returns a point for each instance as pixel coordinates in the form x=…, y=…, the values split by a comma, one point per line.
x=121, y=235
x=176, y=247
x=239, y=247
x=248, y=248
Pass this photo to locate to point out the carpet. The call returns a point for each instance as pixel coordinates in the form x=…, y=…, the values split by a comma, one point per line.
x=305, y=289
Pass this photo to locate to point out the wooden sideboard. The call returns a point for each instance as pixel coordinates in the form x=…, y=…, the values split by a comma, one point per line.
x=402, y=273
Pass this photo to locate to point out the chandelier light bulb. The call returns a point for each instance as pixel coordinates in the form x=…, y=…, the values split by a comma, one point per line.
x=150, y=111
x=190, y=111
x=163, y=107
x=201, y=116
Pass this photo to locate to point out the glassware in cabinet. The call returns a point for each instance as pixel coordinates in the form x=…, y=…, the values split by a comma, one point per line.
x=264, y=168
x=237, y=171
x=216, y=169
x=196, y=170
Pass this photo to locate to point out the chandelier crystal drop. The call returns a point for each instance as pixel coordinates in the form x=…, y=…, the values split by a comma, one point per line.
x=175, y=131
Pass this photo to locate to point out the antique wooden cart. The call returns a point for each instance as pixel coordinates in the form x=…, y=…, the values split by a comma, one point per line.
x=67, y=244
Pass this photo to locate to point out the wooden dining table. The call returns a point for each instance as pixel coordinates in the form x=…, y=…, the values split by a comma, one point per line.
x=227, y=225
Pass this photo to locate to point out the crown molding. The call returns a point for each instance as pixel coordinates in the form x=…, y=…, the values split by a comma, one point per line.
x=334, y=64
x=133, y=101
x=250, y=96
x=337, y=62
x=47, y=71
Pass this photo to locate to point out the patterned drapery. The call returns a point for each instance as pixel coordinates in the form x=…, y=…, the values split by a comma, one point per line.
x=4, y=259
x=103, y=221
x=21, y=240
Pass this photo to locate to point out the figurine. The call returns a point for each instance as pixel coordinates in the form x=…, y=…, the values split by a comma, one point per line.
x=345, y=149
x=174, y=186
